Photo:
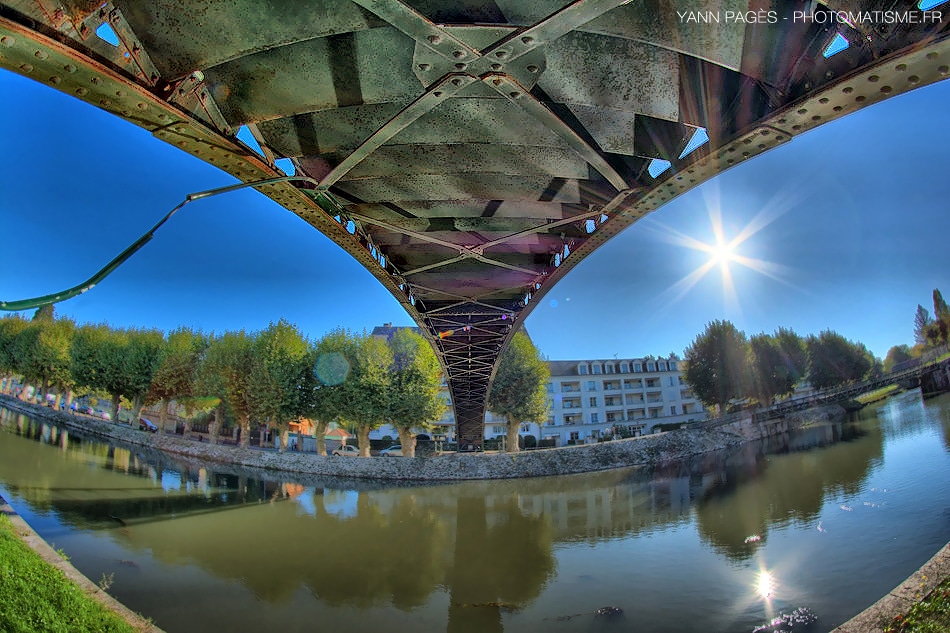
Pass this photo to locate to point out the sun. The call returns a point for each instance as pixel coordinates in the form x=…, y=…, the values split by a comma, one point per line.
x=722, y=252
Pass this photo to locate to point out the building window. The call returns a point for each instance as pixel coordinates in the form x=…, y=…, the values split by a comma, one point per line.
x=550, y=387
x=672, y=409
x=610, y=368
x=651, y=366
x=672, y=366
x=596, y=369
x=624, y=368
x=575, y=435
x=685, y=408
x=591, y=385
x=637, y=367
x=582, y=370
x=671, y=381
x=594, y=418
x=593, y=402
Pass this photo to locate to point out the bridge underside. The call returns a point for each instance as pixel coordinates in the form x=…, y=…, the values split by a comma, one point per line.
x=470, y=154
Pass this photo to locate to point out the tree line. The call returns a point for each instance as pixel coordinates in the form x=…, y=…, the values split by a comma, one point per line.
x=723, y=365
x=929, y=333
x=268, y=378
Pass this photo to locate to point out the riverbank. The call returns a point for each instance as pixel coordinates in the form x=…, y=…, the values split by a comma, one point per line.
x=888, y=613
x=641, y=451
x=42, y=591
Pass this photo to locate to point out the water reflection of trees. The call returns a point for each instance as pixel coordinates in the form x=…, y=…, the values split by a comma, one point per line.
x=754, y=495
x=489, y=544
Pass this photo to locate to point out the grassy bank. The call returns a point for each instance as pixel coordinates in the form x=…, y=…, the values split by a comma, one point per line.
x=930, y=615
x=878, y=394
x=35, y=596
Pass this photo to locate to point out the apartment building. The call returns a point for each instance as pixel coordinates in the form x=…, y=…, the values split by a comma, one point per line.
x=589, y=399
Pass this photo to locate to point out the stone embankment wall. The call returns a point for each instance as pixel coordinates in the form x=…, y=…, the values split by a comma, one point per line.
x=648, y=450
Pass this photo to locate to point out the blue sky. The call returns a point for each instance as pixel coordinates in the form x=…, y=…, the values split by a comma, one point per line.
x=857, y=235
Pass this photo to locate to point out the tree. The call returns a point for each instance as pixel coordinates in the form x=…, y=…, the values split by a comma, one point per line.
x=939, y=329
x=519, y=391
x=834, y=360
x=896, y=355
x=716, y=367
x=42, y=349
x=794, y=355
x=226, y=372
x=921, y=321
x=331, y=369
x=177, y=373
x=770, y=375
x=941, y=310
x=370, y=378
x=281, y=381
x=10, y=328
x=415, y=384
x=141, y=355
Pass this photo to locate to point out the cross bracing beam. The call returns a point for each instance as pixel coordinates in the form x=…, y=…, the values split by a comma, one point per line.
x=470, y=204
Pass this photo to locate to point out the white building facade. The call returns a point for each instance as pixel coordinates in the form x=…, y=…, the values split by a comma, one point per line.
x=591, y=399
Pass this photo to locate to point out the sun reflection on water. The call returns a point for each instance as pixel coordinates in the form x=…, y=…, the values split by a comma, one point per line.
x=765, y=585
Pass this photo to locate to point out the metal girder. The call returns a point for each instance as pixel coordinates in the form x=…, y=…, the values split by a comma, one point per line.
x=526, y=147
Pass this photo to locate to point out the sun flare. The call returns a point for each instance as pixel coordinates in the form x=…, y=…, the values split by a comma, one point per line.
x=764, y=585
x=722, y=252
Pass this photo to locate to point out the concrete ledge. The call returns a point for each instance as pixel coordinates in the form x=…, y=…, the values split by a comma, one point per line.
x=899, y=600
x=41, y=547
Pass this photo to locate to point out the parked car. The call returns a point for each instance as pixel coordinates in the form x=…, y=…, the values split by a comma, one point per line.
x=105, y=415
x=146, y=425
x=89, y=411
x=392, y=451
x=346, y=451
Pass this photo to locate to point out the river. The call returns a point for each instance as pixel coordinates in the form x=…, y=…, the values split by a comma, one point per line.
x=825, y=521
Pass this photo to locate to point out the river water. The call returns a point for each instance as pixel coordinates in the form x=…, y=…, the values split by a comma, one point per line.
x=824, y=521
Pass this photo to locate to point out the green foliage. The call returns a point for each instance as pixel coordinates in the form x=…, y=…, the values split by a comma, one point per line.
x=281, y=385
x=941, y=310
x=930, y=615
x=177, y=373
x=226, y=372
x=770, y=375
x=121, y=362
x=331, y=367
x=896, y=355
x=416, y=382
x=794, y=355
x=834, y=360
x=10, y=329
x=42, y=350
x=519, y=391
x=371, y=379
x=716, y=367
x=921, y=321
x=45, y=313
x=38, y=597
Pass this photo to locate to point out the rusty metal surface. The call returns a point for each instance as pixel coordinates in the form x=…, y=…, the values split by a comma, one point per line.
x=470, y=154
